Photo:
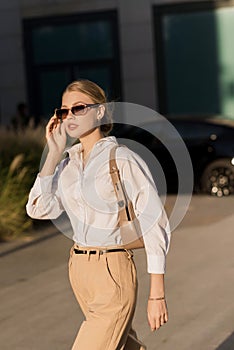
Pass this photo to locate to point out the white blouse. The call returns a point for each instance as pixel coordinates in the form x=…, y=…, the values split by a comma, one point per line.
x=87, y=196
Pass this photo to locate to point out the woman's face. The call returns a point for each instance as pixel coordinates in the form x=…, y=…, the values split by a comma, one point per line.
x=83, y=123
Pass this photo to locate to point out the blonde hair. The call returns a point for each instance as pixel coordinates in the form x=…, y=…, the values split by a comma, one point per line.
x=97, y=94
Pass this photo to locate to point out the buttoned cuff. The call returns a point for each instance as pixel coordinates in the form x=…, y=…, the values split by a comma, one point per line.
x=156, y=264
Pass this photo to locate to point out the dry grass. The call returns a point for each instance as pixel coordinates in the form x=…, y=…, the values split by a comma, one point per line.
x=28, y=141
x=20, y=155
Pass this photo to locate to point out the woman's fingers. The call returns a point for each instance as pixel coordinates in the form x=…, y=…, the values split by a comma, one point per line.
x=156, y=323
x=157, y=315
x=59, y=130
x=51, y=126
x=152, y=324
x=56, y=135
x=60, y=137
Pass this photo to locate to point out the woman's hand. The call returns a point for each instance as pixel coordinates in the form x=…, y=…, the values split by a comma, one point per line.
x=56, y=139
x=157, y=313
x=56, y=136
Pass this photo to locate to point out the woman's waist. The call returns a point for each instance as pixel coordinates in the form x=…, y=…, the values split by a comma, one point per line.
x=79, y=246
x=88, y=237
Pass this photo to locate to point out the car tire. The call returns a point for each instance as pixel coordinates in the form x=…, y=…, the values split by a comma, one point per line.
x=218, y=178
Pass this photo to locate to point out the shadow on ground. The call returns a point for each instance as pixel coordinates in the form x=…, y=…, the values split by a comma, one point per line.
x=228, y=344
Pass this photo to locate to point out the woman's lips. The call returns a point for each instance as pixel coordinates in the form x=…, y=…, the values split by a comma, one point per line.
x=72, y=126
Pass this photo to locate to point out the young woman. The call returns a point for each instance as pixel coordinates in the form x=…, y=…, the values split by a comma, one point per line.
x=102, y=273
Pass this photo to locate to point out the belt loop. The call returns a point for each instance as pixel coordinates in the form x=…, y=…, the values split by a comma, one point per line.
x=130, y=253
x=99, y=253
x=88, y=252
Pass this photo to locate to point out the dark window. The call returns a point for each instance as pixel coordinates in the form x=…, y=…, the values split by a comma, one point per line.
x=62, y=49
x=194, y=57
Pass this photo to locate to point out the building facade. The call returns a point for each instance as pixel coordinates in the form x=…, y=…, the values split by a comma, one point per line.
x=174, y=57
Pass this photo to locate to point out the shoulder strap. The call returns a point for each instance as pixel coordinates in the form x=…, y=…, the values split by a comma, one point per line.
x=126, y=212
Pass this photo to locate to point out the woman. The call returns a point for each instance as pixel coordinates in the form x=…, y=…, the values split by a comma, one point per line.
x=102, y=273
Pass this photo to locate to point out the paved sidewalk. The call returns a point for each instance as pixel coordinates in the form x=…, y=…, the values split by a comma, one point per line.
x=38, y=310
x=33, y=237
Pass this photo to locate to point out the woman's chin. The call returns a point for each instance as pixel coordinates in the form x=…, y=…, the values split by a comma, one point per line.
x=73, y=135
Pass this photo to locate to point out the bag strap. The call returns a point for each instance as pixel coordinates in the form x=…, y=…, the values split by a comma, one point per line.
x=126, y=212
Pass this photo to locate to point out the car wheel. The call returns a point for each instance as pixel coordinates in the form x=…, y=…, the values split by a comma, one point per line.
x=218, y=178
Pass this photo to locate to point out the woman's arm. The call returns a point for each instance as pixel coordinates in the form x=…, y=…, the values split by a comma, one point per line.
x=157, y=307
x=44, y=199
x=155, y=231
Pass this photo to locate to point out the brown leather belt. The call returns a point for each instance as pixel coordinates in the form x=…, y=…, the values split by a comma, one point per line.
x=102, y=251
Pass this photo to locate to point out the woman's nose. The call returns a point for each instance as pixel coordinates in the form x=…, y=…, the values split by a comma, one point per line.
x=70, y=115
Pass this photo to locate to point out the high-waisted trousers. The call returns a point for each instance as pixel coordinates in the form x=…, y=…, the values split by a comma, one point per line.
x=105, y=286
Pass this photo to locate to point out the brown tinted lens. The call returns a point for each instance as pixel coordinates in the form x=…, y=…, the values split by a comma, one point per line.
x=61, y=113
x=78, y=110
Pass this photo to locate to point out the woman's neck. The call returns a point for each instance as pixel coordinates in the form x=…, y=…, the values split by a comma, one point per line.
x=89, y=140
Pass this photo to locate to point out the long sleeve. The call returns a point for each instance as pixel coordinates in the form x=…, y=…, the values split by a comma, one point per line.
x=44, y=200
x=141, y=189
x=89, y=200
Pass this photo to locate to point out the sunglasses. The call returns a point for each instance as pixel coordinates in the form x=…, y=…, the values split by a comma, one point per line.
x=82, y=109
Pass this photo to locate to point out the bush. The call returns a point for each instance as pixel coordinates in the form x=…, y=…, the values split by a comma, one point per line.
x=20, y=155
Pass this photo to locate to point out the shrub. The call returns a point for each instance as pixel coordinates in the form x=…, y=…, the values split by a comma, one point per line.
x=20, y=155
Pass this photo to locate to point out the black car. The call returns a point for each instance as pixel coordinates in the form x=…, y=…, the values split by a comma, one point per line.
x=210, y=144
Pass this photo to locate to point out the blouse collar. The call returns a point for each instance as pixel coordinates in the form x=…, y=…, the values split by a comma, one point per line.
x=78, y=148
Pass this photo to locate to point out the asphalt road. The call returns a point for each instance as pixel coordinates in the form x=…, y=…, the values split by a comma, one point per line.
x=39, y=312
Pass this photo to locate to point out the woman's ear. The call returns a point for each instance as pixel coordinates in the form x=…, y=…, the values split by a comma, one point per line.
x=100, y=112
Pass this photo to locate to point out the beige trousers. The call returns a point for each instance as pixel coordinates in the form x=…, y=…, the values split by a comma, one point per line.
x=105, y=287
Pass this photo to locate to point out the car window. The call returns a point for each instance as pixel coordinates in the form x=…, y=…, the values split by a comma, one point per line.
x=198, y=131
x=187, y=130
x=163, y=130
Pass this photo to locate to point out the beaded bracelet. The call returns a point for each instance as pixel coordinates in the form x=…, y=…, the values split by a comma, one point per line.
x=160, y=298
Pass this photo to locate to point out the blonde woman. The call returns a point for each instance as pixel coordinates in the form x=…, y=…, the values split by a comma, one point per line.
x=101, y=271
